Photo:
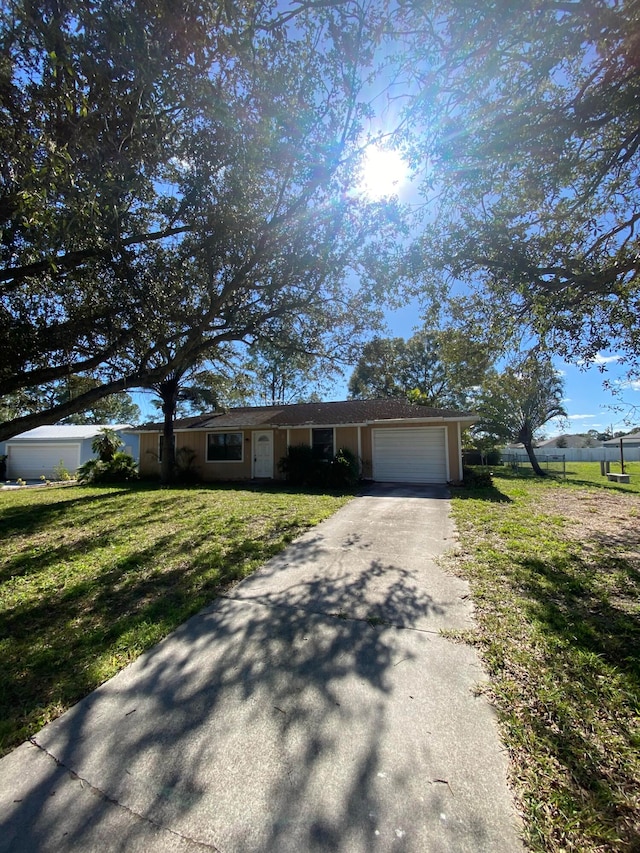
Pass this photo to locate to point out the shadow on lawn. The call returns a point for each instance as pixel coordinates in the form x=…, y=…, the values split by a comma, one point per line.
x=596, y=628
x=491, y=494
x=23, y=518
x=85, y=618
x=270, y=719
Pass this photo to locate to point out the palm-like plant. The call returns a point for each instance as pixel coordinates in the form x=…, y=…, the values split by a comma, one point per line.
x=515, y=404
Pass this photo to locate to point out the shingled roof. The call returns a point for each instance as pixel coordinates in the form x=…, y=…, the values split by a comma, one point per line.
x=339, y=413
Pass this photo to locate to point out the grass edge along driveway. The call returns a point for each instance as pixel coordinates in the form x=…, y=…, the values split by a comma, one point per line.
x=92, y=577
x=554, y=569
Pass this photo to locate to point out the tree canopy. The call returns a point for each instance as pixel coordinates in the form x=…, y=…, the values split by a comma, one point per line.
x=117, y=408
x=515, y=404
x=437, y=368
x=176, y=178
x=524, y=118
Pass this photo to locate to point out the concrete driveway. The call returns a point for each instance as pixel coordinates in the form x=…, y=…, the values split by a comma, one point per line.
x=316, y=707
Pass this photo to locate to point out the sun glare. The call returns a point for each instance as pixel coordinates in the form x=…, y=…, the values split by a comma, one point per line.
x=384, y=173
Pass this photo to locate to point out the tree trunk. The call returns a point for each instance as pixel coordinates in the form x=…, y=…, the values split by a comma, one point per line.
x=528, y=446
x=168, y=391
x=526, y=437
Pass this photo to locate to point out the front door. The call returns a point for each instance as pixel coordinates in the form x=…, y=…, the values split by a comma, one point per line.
x=263, y=454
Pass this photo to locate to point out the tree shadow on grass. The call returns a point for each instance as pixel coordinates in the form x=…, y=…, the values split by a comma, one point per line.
x=276, y=723
x=491, y=494
x=28, y=518
x=603, y=485
x=595, y=630
x=96, y=615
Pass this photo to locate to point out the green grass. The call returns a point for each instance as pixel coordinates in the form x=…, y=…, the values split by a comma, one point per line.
x=554, y=568
x=91, y=577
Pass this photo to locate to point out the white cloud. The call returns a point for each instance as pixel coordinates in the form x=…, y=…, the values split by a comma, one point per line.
x=606, y=359
x=580, y=417
x=600, y=359
x=632, y=384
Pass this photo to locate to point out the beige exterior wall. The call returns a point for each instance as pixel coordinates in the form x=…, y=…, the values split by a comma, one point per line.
x=346, y=437
x=455, y=471
x=149, y=465
x=300, y=435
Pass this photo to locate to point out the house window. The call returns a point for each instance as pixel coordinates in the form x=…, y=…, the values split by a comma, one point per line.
x=224, y=447
x=322, y=443
x=161, y=445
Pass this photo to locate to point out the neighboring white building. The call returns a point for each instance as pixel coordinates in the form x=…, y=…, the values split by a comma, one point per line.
x=40, y=451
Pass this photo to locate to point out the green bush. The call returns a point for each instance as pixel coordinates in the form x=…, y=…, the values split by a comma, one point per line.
x=302, y=467
x=106, y=444
x=344, y=469
x=474, y=457
x=477, y=479
x=120, y=469
x=60, y=471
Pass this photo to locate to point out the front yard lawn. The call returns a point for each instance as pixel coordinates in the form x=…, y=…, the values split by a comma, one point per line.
x=91, y=577
x=554, y=568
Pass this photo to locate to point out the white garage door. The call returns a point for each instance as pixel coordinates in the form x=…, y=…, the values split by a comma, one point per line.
x=32, y=461
x=411, y=455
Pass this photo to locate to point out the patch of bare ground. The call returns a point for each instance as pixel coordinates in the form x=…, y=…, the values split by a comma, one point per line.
x=606, y=525
x=598, y=519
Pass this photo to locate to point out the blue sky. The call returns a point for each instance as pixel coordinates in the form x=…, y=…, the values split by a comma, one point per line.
x=588, y=404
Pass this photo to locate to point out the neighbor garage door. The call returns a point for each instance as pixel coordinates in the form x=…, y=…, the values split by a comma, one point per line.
x=411, y=455
x=32, y=461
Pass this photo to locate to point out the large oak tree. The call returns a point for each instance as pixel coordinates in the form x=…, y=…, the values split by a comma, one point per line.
x=525, y=117
x=179, y=177
x=432, y=368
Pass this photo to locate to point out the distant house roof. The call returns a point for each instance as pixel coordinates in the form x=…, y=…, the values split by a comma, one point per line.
x=66, y=432
x=571, y=441
x=343, y=412
x=630, y=440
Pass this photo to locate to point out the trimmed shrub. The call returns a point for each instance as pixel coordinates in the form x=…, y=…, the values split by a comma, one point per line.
x=477, y=479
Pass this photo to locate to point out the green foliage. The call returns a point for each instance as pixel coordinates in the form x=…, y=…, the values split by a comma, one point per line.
x=515, y=404
x=527, y=119
x=482, y=457
x=192, y=169
x=106, y=444
x=345, y=469
x=302, y=467
x=474, y=479
x=435, y=369
x=280, y=371
x=120, y=468
x=61, y=472
x=117, y=408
